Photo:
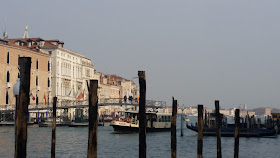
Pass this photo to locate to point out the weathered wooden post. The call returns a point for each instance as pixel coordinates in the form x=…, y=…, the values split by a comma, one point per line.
x=182, y=124
x=205, y=118
x=236, y=134
x=142, y=115
x=53, y=128
x=22, y=109
x=218, y=129
x=103, y=119
x=173, y=128
x=93, y=113
x=209, y=120
x=200, y=131
x=17, y=106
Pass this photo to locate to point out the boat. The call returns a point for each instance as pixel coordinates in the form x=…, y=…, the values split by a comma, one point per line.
x=187, y=119
x=107, y=118
x=246, y=129
x=128, y=121
x=230, y=131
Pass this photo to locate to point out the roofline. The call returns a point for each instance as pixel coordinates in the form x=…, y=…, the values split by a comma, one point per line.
x=40, y=53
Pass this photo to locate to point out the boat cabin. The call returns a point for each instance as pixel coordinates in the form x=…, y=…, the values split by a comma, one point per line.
x=130, y=119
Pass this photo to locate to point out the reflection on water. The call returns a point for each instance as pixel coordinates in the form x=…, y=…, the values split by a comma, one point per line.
x=72, y=142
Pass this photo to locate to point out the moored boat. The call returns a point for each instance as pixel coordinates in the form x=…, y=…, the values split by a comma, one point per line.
x=187, y=119
x=243, y=132
x=129, y=122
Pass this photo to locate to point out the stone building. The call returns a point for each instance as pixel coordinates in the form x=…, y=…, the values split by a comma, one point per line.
x=70, y=73
x=40, y=77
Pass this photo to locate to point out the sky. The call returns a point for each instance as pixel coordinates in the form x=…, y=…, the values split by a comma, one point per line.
x=198, y=51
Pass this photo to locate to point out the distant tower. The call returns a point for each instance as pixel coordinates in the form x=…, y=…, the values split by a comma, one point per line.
x=25, y=35
x=5, y=33
x=245, y=106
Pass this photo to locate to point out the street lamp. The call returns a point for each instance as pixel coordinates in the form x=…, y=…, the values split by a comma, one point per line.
x=16, y=87
x=182, y=108
x=16, y=94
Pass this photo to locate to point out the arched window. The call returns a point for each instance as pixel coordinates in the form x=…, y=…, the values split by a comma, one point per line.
x=8, y=76
x=7, y=97
x=37, y=100
x=37, y=64
x=48, y=65
x=18, y=75
x=8, y=57
x=36, y=80
x=48, y=82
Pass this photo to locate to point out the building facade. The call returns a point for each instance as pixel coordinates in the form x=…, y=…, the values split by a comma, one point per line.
x=70, y=72
x=40, y=78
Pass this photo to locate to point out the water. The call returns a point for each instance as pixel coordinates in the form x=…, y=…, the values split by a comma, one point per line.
x=72, y=142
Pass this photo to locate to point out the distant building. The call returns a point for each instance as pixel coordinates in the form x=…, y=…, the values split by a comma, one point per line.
x=191, y=110
x=115, y=88
x=262, y=111
x=244, y=113
x=225, y=112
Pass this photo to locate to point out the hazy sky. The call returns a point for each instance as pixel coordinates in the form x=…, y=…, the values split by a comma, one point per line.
x=197, y=51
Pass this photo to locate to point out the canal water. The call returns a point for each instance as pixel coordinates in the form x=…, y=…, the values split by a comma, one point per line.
x=71, y=142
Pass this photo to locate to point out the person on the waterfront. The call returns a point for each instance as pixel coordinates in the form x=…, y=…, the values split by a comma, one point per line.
x=124, y=98
x=130, y=99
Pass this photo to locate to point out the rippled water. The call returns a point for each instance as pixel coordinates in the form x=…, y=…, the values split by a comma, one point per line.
x=72, y=142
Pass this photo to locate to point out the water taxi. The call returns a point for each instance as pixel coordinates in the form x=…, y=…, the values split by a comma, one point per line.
x=128, y=121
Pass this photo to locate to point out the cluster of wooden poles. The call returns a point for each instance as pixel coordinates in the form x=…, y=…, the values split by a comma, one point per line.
x=22, y=116
x=23, y=101
x=218, y=131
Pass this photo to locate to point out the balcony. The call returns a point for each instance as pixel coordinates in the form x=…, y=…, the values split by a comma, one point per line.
x=38, y=88
x=9, y=84
x=87, y=64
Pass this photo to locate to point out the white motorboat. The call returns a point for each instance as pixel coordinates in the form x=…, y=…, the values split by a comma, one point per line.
x=128, y=121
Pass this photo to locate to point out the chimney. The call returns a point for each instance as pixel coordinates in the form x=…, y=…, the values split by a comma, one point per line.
x=41, y=43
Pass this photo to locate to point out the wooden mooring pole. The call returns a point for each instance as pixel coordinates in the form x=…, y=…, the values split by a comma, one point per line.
x=22, y=113
x=173, y=128
x=182, y=124
x=200, y=131
x=142, y=115
x=218, y=129
x=93, y=113
x=17, y=106
x=53, y=128
x=236, y=134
